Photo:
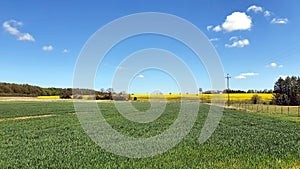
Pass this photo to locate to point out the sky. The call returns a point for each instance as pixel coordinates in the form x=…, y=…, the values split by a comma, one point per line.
x=257, y=41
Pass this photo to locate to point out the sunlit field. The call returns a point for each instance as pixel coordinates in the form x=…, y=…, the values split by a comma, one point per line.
x=49, y=135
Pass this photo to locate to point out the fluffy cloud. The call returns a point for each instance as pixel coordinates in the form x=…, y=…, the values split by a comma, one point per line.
x=11, y=27
x=48, y=48
x=238, y=43
x=245, y=75
x=273, y=64
x=217, y=28
x=279, y=21
x=255, y=9
x=237, y=21
x=140, y=76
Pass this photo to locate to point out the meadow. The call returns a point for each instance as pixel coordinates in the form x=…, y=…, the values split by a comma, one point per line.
x=242, y=140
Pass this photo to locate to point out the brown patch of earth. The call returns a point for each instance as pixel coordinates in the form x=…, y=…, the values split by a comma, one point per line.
x=28, y=117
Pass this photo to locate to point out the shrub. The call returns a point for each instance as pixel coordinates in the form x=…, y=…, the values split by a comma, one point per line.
x=255, y=99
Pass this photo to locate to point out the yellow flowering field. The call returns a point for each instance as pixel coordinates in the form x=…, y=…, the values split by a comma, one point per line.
x=234, y=97
x=48, y=97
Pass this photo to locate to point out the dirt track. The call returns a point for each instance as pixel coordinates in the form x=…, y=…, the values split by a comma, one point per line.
x=28, y=117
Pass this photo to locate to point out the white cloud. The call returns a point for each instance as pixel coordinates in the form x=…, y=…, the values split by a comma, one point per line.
x=140, y=76
x=249, y=74
x=245, y=75
x=279, y=21
x=233, y=38
x=26, y=36
x=209, y=27
x=267, y=13
x=66, y=51
x=240, y=77
x=11, y=27
x=48, y=48
x=237, y=21
x=214, y=39
x=255, y=9
x=273, y=64
x=217, y=28
x=238, y=43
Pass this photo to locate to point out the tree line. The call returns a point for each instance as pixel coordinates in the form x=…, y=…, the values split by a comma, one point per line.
x=12, y=89
x=237, y=91
x=287, y=91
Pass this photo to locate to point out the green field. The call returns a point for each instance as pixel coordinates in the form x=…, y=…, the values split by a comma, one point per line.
x=242, y=140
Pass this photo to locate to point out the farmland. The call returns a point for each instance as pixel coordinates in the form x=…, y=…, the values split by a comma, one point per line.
x=206, y=98
x=242, y=140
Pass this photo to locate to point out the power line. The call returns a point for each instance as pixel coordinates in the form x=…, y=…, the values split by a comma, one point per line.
x=228, y=99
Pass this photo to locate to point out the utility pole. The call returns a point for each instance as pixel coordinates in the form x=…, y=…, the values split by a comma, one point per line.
x=228, y=99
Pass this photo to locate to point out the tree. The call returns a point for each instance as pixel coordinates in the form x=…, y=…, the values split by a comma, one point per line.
x=250, y=91
x=200, y=90
x=287, y=91
x=255, y=99
x=110, y=92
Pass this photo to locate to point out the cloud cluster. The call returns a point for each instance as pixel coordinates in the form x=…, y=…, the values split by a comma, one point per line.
x=239, y=43
x=241, y=21
x=245, y=75
x=11, y=27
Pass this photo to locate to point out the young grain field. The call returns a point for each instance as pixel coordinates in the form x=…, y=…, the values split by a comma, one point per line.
x=55, y=139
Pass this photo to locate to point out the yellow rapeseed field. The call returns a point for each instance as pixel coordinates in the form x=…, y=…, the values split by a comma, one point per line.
x=48, y=97
x=234, y=97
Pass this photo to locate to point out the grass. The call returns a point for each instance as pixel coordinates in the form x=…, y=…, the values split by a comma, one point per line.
x=242, y=140
x=282, y=112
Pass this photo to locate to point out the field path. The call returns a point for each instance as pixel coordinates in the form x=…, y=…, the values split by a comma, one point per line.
x=28, y=117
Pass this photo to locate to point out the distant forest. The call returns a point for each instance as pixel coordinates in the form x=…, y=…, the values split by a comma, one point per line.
x=11, y=89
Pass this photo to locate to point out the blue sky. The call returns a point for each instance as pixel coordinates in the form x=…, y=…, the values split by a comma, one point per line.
x=257, y=41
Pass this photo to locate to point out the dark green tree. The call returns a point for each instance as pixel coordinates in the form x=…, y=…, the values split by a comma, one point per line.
x=287, y=91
